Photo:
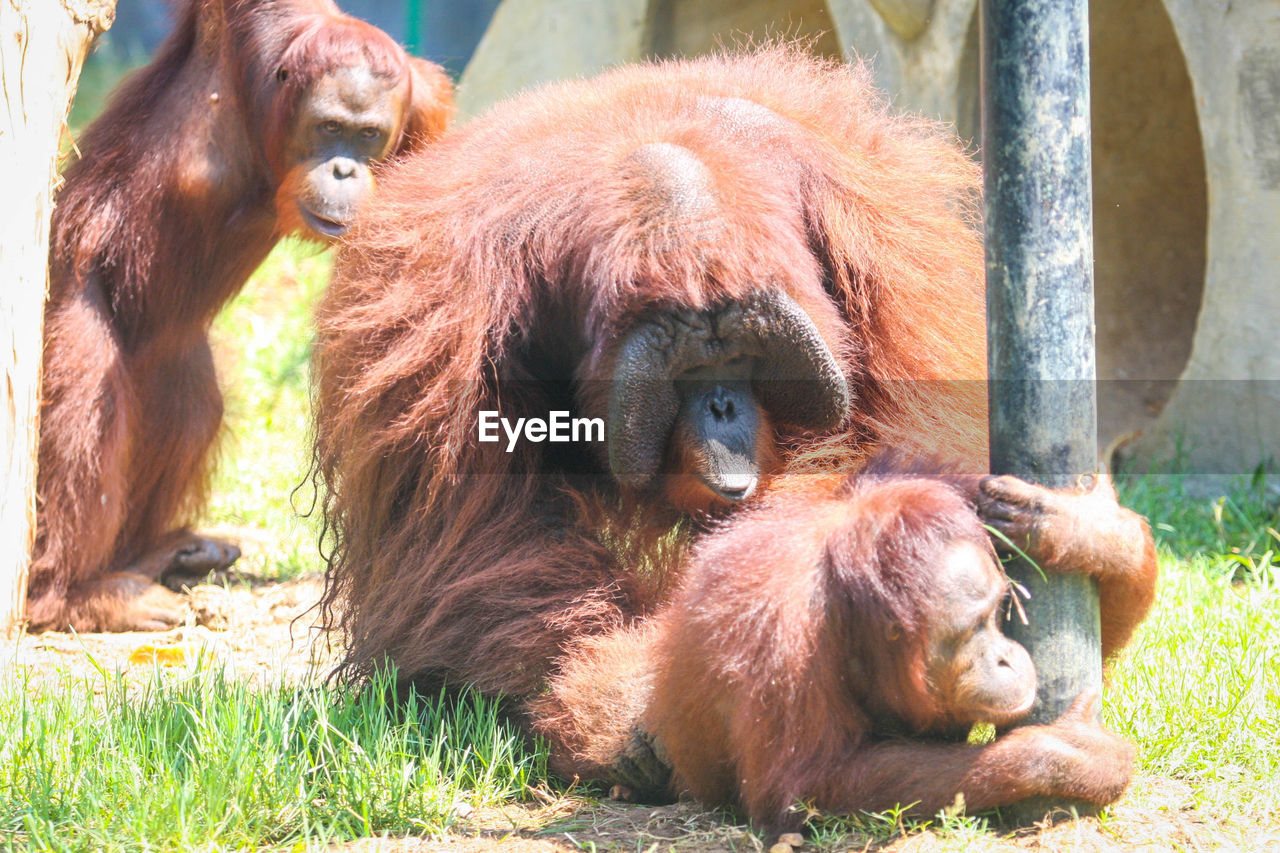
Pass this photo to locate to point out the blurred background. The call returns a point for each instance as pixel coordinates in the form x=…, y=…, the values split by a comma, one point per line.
x=444, y=32
x=1186, y=160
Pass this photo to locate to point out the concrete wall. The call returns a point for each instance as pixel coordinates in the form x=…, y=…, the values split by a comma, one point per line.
x=1227, y=404
x=1186, y=115
x=530, y=42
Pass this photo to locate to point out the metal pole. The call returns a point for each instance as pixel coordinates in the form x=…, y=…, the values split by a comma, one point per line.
x=1039, y=245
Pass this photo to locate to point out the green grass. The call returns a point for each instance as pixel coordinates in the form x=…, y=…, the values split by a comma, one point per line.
x=102, y=74
x=1199, y=688
x=197, y=759
x=204, y=760
x=263, y=344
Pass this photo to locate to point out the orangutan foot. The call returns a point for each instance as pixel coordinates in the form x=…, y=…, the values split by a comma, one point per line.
x=184, y=559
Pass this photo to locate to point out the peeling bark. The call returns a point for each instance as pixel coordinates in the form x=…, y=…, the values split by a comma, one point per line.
x=42, y=49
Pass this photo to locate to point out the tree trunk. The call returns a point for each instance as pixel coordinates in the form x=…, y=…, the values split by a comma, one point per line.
x=43, y=44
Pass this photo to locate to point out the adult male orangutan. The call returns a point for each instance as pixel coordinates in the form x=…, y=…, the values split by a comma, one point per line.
x=755, y=276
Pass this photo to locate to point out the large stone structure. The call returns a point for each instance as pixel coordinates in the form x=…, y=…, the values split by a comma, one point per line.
x=1186, y=124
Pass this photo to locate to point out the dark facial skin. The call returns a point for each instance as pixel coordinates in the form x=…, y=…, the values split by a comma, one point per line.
x=345, y=122
x=718, y=425
x=976, y=672
x=695, y=396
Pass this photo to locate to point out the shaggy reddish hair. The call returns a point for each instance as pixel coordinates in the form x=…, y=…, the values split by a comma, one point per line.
x=799, y=662
x=173, y=202
x=512, y=266
x=517, y=249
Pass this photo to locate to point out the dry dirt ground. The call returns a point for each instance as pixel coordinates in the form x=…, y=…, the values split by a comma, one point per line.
x=263, y=631
x=260, y=631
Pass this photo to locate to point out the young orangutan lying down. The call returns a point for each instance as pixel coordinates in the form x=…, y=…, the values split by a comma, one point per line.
x=835, y=649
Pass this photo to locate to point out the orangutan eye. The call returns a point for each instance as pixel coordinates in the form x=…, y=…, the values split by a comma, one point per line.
x=331, y=126
x=369, y=132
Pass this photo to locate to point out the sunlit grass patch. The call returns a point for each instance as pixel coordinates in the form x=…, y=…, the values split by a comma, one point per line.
x=262, y=341
x=203, y=759
x=1199, y=688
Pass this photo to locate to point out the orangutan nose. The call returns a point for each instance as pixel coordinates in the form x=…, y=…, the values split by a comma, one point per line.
x=344, y=167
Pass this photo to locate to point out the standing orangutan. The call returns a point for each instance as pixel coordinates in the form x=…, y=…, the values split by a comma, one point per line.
x=256, y=119
x=747, y=270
